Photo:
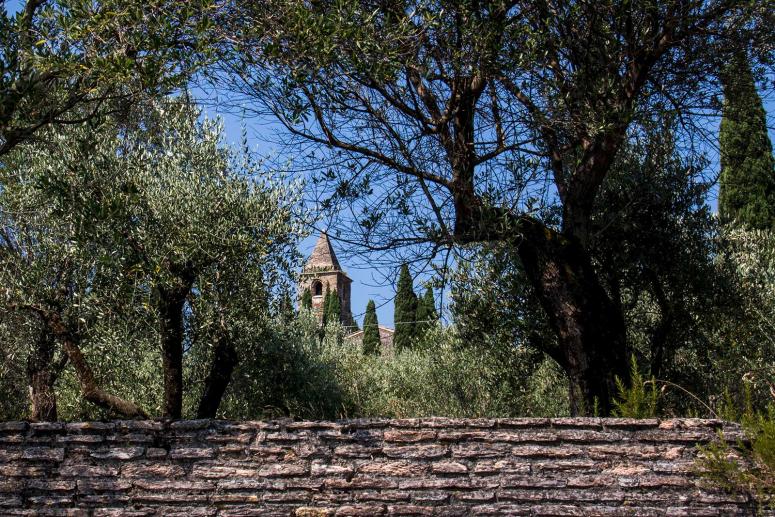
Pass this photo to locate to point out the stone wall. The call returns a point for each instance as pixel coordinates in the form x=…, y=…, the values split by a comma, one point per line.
x=360, y=467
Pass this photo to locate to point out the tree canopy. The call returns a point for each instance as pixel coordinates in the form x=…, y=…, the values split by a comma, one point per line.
x=405, y=310
x=70, y=60
x=371, y=341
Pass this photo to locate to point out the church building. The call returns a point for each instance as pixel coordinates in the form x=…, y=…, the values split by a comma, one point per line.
x=323, y=273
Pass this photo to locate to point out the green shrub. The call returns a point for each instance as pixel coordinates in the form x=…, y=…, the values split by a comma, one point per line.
x=295, y=373
x=742, y=469
x=639, y=399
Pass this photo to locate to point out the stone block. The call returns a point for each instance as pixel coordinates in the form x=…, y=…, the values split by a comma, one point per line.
x=404, y=436
x=480, y=450
x=386, y=496
x=22, y=471
x=80, y=438
x=393, y=468
x=43, y=454
x=151, y=470
x=506, y=466
x=415, y=451
x=324, y=469
x=182, y=485
x=309, y=511
x=51, y=485
x=139, y=425
x=287, y=496
x=449, y=467
x=360, y=510
x=39, y=428
x=190, y=425
x=191, y=453
x=283, y=469
x=358, y=482
x=118, y=453
x=89, y=427
x=411, y=509
x=13, y=427
x=356, y=451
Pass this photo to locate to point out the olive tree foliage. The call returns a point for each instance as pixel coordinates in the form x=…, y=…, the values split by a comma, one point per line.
x=69, y=60
x=450, y=123
x=747, y=358
x=53, y=285
x=656, y=244
x=172, y=235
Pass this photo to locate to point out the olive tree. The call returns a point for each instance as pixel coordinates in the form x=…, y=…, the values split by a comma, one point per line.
x=182, y=231
x=55, y=285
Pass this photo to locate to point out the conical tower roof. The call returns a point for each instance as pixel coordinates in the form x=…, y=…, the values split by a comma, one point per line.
x=323, y=257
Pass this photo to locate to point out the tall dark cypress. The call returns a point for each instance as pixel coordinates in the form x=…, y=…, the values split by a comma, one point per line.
x=371, y=341
x=426, y=313
x=306, y=299
x=747, y=181
x=326, y=307
x=405, y=310
x=333, y=308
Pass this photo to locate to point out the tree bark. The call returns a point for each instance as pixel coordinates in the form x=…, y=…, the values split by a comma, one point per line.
x=42, y=375
x=588, y=324
x=223, y=363
x=658, y=340
x=89, y=388
x=171, y=304
x=92, y=392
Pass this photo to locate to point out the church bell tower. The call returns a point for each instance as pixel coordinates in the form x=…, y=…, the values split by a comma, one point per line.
x=322, y=273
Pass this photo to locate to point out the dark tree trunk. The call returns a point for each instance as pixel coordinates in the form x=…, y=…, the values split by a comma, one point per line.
x=660, y=334
x=171, y=304
x=42, y=374
x=589, y=325
x=221, y=368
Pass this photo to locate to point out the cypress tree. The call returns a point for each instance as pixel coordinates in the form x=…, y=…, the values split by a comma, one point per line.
x=333, y=308
x=747, y=181
x=326, y=307
x=306, y=299
x=405, y=310
x=371, y=341
x=426, y=313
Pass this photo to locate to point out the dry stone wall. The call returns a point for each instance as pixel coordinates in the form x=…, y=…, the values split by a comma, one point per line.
x=438, y=466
